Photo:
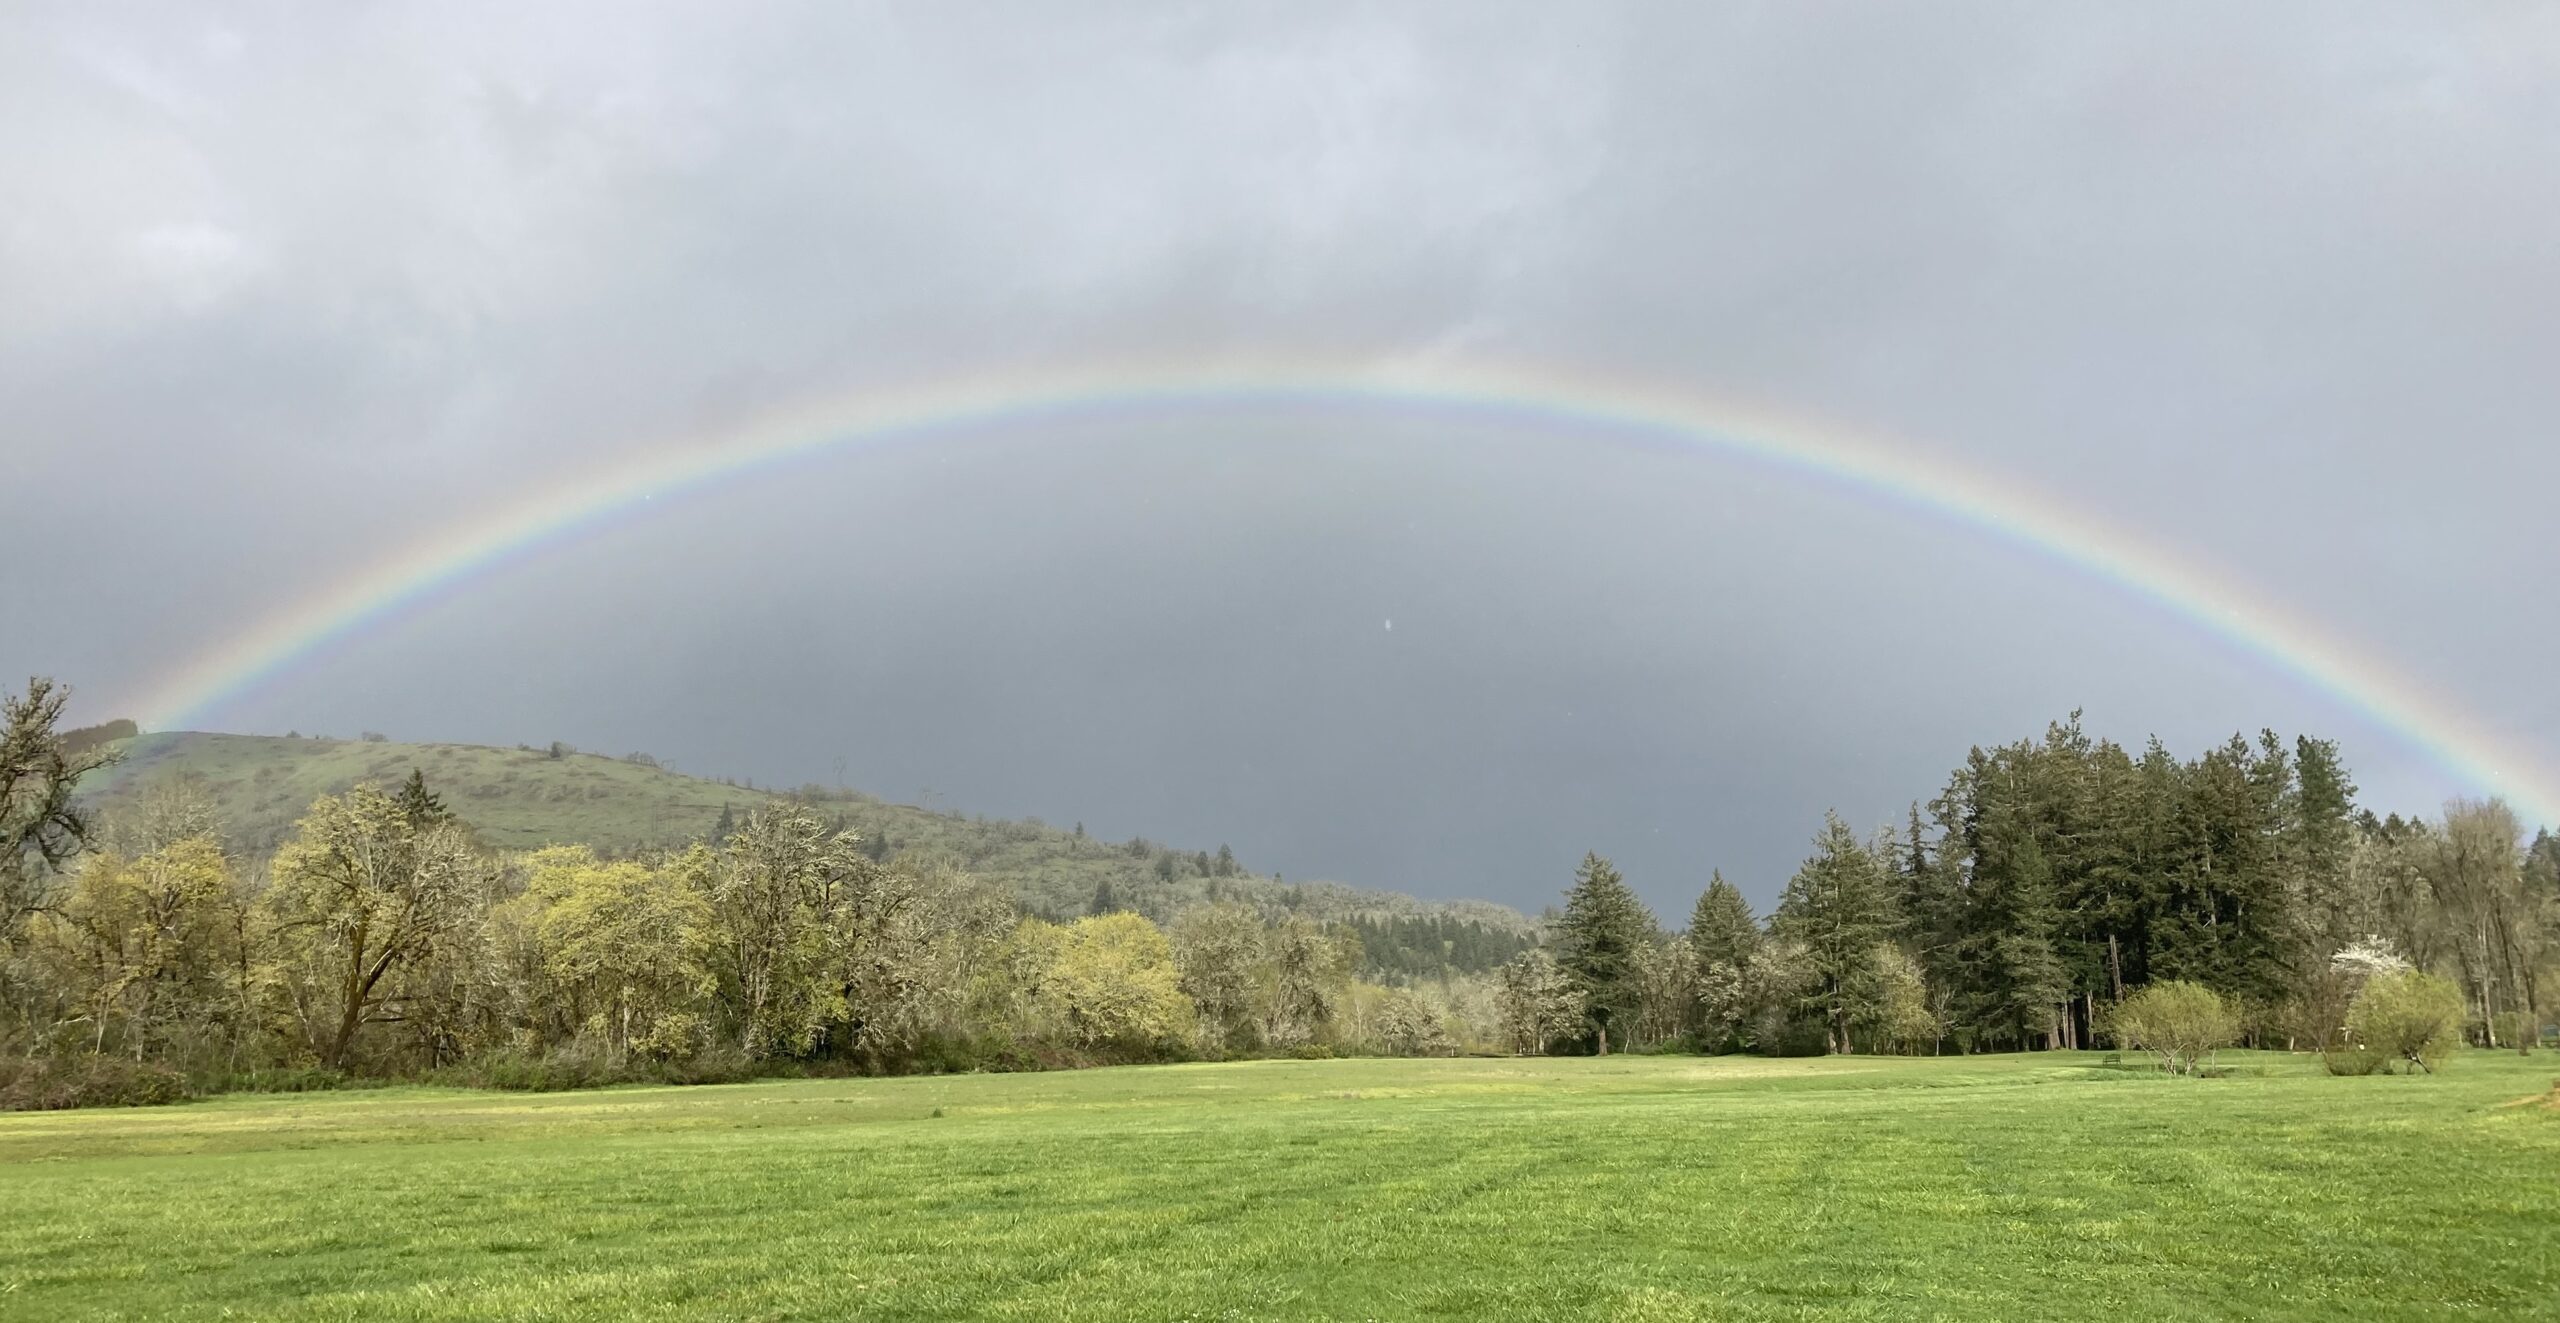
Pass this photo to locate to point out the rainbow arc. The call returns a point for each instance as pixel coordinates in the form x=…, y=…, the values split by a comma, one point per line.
x=1579, y=404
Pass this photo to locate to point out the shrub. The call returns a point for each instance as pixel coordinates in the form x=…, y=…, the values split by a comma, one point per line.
x=1797, y=1036
x=47, y=1084
x=284, y=1079
x=2408, y=1017
x=2181, y=1022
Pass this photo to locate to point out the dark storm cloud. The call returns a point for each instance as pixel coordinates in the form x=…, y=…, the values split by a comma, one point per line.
x=285, y=292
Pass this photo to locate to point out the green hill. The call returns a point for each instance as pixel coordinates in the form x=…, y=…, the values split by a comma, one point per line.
x=524, y=797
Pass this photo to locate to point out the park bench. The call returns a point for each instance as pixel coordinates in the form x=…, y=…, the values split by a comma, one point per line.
x=2112, y=1059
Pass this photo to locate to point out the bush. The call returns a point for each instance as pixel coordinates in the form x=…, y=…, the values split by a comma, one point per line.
x=2181, y=1022
x=585, y=1065
x=284, y=1079
x=1799, y=1036
x=2410, y=1018
x=47, y=1084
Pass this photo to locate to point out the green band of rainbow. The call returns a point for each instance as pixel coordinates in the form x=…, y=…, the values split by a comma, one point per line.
x=1542, y=397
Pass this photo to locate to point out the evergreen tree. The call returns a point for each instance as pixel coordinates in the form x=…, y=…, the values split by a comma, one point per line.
x=2023, y=981
x=2159, y=785
x=2224, y=920
x=2542, y=867
x=1928, y=902
x=2106, y=894
x=1603, y=925
x=1724, y=940
x=726, y=827
x=2541, y=885
x=1722, y=933
x=416, y=803
x=2070, y=779
x=2321, y=825
x=2009, y=982
x=1837, y=908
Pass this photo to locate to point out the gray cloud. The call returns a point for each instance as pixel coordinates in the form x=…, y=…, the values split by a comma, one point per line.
x=286, y=291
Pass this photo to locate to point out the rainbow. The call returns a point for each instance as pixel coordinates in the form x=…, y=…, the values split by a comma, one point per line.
x=1512, y=397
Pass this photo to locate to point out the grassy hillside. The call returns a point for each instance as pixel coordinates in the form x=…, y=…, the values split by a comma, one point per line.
x=520, y=798
x=2040, y=1186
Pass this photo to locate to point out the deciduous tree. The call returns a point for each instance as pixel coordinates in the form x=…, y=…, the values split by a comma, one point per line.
x=41, y=825
x=626, y=947
x=360, y=896
x=1539, y=1002
x=2181, y=1022
x=2408, y=1017
x=1220, y=951
x=1114, y=981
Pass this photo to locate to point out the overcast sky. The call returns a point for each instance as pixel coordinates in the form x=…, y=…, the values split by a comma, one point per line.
x=284, y=289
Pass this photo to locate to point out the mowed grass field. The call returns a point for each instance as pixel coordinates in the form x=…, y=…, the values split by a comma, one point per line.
x=1638, y=1188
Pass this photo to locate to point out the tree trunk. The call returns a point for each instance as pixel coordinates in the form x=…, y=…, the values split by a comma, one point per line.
x=2488, y=1012
x=337, y=1054
x=350, y=1006
x=1604, y=1040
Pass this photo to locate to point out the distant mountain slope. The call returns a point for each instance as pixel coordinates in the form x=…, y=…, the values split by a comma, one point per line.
x=521, y=798
x=515, y=798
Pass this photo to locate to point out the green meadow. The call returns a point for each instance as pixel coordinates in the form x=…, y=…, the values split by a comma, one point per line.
x=2040, y=1186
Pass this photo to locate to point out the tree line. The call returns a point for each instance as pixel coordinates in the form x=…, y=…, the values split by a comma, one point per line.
x=382, y=939
x=2049, y=882
x=2031, y=904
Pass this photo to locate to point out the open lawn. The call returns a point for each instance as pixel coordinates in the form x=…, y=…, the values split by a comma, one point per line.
x=1663, y=1187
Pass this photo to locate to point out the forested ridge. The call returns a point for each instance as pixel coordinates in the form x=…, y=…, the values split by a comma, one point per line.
x=2055, y=892
x=631, y=805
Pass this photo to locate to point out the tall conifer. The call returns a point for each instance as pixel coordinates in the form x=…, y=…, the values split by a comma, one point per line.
x=1603, y=925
